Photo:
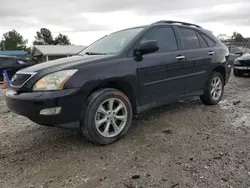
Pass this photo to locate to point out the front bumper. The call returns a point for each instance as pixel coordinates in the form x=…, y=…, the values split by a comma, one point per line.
x=30, y=105
x=242, y=67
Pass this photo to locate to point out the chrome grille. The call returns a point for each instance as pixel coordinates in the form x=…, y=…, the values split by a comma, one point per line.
x=245, y=62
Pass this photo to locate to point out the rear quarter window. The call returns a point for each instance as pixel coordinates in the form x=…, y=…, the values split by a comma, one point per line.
x=202, y=41
x=209, y=41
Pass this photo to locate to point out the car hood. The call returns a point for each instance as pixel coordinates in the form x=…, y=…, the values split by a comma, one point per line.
x=64, y=63
x=244, y=57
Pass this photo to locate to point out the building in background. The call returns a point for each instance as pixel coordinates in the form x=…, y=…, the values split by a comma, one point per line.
x=16, y=53
x=43, y=53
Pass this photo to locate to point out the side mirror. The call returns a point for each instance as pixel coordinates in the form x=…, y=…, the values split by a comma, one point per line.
x=238, y=53
x=147, y=47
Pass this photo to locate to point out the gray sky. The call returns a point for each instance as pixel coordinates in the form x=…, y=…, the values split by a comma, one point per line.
x=85, y=21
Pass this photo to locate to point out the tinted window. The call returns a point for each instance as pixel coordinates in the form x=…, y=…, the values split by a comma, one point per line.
x=233, y=49
x=203, y=43
x=5, y=62
x=165, y=38
x=189, y=38
x=209, y=41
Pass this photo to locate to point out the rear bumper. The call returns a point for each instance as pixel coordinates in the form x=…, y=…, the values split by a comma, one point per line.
x=30, y=105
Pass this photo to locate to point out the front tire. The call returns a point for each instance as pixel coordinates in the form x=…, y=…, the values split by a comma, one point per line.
x=238, y=73
x=106, y=116
x=213, y=90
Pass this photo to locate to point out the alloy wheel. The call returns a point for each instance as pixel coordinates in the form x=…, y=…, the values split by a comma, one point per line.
x=216, y=88
x=111, y=117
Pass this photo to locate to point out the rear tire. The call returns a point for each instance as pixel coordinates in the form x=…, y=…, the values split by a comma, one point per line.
x=238, y=73
x=100, y=121
x=214, y=89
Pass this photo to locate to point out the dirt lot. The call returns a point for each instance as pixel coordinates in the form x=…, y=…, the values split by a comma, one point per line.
x=185, y=144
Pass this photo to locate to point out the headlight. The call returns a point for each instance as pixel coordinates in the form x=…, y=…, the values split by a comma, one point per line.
x=53, y=81
x=236, y=62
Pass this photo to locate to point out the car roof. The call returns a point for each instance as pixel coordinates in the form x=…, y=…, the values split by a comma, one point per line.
x=167, y=22
x=179, y=23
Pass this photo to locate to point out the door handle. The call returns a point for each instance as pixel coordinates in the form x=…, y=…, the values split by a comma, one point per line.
x=180, y=57
x=211, y=53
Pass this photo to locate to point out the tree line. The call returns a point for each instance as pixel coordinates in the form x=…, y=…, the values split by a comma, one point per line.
x=12, y=40
x=236, y=37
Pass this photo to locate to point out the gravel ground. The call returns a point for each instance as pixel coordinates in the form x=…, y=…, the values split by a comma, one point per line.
x=185, y=144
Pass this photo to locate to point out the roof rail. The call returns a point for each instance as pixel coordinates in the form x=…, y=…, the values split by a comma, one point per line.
x=177, y=22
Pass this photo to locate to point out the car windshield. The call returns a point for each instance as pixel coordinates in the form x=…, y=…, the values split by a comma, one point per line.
x=113, y=43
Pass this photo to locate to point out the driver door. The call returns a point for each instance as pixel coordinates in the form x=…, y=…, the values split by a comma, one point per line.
x=160, y=74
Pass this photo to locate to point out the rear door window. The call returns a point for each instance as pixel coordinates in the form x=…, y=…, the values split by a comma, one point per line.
x=189, y=38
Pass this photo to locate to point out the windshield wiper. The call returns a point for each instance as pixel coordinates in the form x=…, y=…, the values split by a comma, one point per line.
x=94, y=53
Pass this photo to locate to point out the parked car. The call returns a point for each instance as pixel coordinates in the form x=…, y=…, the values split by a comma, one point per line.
x=235, y=52
x=242, y=65
x=13, y=64
x=122, y=74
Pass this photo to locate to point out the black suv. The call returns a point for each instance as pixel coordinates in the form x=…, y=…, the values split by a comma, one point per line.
x=13, y=64
x=120, y=75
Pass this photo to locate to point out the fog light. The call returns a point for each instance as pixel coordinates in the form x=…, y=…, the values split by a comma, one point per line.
x=50, y=111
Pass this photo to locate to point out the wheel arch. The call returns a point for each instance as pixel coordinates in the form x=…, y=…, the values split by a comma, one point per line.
x=120, y=85
x=221, y=70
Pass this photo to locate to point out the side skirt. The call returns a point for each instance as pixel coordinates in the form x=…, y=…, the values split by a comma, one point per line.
x=166, y=100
